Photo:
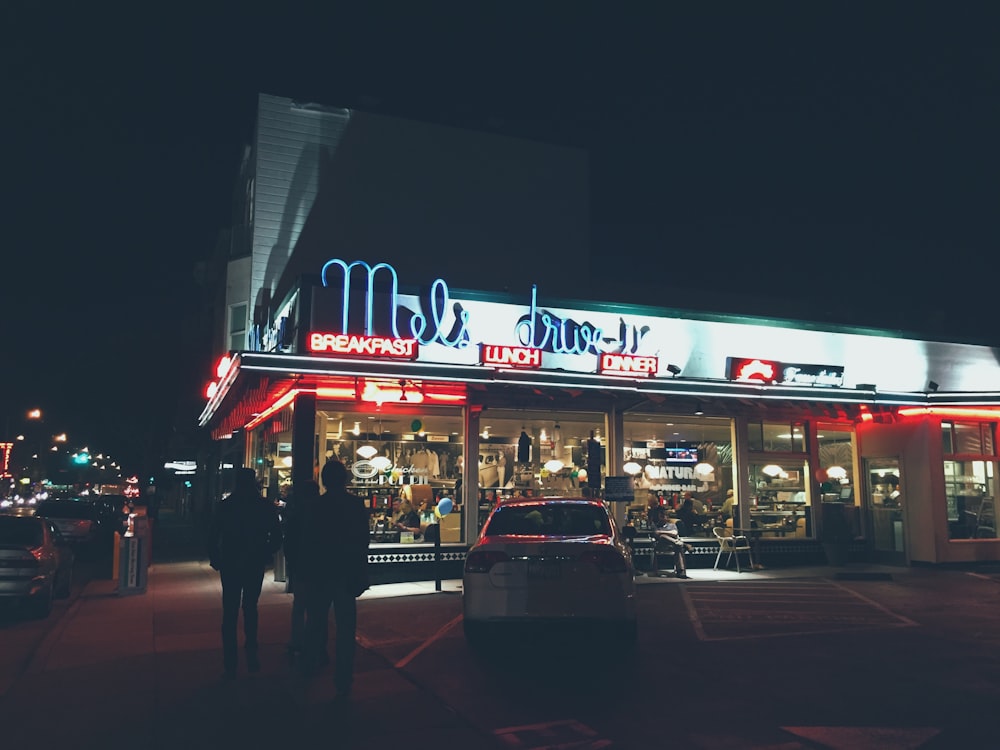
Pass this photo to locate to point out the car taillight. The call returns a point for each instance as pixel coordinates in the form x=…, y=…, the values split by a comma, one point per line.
x=481, y=561
x=607, y=559
x=37, y=553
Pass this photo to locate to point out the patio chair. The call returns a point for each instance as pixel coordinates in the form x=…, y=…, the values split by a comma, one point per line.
x=732, y=544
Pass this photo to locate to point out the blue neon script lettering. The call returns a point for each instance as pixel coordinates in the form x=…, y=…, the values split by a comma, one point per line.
x=438, y=307
x=456, y=337
x=540, y=329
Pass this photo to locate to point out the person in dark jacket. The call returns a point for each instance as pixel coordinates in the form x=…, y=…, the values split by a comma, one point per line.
x=243, y=536
x=332, y=565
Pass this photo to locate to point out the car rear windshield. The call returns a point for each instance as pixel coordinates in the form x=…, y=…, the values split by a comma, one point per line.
x=548, y=520
x=20, y=531
x=65, y=510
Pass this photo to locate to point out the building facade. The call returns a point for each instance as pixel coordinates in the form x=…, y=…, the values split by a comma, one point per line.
x=484, y=377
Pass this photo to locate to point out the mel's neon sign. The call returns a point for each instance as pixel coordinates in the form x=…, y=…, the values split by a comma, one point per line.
x=444, y=321
x=363, y=346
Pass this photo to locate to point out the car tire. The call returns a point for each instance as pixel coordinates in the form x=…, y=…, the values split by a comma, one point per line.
x=41, y=605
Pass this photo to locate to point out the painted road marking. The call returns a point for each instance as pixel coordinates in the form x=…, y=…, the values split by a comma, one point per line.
x=743, y=611
x=566, y=734
x=429, y=642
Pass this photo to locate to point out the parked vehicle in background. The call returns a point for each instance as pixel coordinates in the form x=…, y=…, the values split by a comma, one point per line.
x=79, y=520
x=549, y=559
x=36, y=563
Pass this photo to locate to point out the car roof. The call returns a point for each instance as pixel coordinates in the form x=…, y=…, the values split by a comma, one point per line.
x=550, y=499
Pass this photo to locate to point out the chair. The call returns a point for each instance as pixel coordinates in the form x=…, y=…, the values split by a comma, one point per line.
x=732, y=544
x=662, y=548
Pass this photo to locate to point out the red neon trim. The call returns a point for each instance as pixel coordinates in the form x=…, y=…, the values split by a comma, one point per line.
x=986, y=412
x=279, y=403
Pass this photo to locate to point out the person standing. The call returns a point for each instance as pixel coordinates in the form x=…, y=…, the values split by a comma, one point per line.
x=243, y=536
x=333, y=567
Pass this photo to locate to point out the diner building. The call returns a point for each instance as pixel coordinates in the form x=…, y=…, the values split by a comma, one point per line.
x=832, y=440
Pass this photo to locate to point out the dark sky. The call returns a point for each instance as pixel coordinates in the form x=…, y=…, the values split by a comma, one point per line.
x=825, y=156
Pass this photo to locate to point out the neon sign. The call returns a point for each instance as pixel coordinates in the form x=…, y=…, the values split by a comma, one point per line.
x=783, y=373
x=627, y=364
x=363, y=346
x=424, y=330
x=5, y=449
x=510, y=356
x=541, y=329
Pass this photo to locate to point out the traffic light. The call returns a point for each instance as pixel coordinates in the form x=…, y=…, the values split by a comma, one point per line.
x=81, y=458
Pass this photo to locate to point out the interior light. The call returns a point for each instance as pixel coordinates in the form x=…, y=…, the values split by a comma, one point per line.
x=632, y=468
x=772, y=470
x=554, y=465
x=381, y=463
x=703, y=469
x=837, y=472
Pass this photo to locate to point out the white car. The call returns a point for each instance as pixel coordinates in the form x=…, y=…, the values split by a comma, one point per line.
x=553, y=559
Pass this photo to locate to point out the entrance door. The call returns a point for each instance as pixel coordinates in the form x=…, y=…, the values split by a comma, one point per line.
x=886, y=518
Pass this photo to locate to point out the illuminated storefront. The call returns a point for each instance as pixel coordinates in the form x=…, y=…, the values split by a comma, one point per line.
x=426, y=392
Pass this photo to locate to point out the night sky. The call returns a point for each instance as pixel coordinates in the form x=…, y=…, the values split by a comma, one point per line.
x=836, y=159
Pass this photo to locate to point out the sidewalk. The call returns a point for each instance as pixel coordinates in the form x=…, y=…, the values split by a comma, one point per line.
x=145, y=670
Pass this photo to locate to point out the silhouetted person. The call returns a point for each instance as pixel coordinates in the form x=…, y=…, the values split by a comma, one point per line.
x=333, y=567
x=303, y=494
x=243, y=536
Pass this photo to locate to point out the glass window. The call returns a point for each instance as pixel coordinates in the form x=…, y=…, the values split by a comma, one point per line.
x=238, y=327
x=836, y=463
x=673, y=457
x=780, y=505
x=776, y=436
x=395, y=456
x=970, y=471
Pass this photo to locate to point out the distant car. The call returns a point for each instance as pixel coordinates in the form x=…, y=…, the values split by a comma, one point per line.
x=78, y=520
x=549, y=559
x=36, y=563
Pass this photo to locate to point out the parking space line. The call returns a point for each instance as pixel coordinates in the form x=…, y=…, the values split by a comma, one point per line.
x=430, y=641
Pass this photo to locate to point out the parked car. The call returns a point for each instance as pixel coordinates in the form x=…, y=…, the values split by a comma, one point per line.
x=78, y=520
x=36, y=562
x=549, y=559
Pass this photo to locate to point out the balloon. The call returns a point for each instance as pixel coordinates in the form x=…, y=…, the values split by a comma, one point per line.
x=821, y=475
x=416, y=425
x=444, y=506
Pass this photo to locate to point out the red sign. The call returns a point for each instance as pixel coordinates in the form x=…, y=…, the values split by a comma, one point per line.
x=628, y=364
x=5, y=459
x=363, y=346
x=510, y=356
x=754, y=370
